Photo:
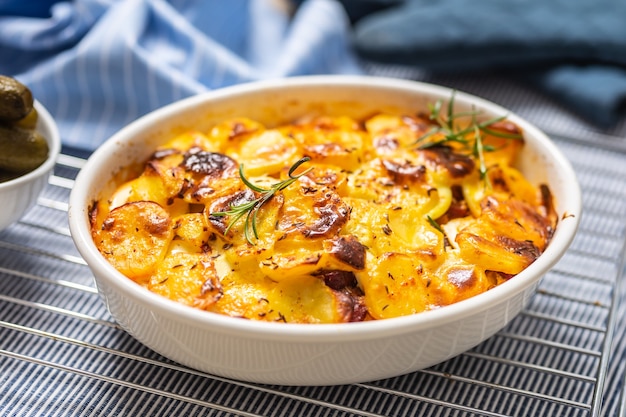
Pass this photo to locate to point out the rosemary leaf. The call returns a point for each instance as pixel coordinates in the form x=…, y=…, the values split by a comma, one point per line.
x=470, y=138
x=500, y=134
x=434, y=224
x=450, y=120
x=251, y=209
x=248, y=183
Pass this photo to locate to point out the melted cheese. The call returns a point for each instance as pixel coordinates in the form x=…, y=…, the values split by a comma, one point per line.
x=378, y=228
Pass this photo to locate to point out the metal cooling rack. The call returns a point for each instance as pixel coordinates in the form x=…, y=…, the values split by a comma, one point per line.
x=62, y=354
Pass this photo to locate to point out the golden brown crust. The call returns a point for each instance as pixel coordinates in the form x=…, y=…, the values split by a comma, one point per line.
x=134, y=238
x=380, y=227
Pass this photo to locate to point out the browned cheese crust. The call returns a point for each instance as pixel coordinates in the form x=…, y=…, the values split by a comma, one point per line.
x=380, y=226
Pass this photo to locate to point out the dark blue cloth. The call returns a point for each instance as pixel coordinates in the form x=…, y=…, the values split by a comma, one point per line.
x=30, y=8
x=574, y=50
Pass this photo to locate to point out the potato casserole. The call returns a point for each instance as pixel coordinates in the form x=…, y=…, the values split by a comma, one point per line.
x=329, y=219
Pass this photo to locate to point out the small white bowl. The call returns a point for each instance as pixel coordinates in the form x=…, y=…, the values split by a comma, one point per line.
x=310, y=354
x=20, y=194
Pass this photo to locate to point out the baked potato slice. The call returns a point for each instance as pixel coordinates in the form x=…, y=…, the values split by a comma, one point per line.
x=188, y=278
x=135, y=238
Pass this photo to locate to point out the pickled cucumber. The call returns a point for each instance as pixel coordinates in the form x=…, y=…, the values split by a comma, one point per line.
x=21, y=150
x=16, y=100
x=27, y=122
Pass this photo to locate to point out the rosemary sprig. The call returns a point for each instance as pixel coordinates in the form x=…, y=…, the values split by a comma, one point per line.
x=470, y=137
x=478, y=150
x=251, y=208
x=434, y=224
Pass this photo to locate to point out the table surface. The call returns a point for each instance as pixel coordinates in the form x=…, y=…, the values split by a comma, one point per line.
x=62, y=354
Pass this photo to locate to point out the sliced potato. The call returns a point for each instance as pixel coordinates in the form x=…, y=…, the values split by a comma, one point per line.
x=188, y=278
x=135, y=238
x=303, y=299
x=395, y=284
x=267, y=153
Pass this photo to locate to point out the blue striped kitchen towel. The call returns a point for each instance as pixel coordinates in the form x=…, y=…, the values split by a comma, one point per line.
x=99, y=64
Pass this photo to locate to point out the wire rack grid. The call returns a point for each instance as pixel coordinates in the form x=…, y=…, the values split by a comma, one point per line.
x=62, y=354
